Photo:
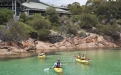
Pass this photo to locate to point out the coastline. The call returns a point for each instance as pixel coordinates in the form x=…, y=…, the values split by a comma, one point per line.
x=33, y=53
x=93, y=41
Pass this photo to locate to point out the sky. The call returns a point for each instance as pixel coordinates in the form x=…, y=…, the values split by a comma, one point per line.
x=63, y=2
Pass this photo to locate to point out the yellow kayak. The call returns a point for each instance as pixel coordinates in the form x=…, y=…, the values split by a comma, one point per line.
x=58, y=70
x=41, y=56
x=82, y=61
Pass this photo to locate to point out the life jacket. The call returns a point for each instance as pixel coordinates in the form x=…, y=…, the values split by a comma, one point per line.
x=78, y=56
x=82, y=57
x=58, y=65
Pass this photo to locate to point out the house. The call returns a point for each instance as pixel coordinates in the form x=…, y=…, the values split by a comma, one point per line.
x=30, y=7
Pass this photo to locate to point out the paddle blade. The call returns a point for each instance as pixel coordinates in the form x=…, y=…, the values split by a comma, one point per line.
x=87, y=58
x=46, y=69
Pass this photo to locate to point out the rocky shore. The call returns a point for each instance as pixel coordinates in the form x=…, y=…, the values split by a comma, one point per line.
x=91, y=41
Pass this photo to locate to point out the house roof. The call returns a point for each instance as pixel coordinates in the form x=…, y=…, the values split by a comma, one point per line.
x=41, y=6
x=37, y=1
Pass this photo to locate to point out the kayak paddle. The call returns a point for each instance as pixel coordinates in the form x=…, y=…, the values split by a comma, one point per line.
x=87, y=58
x=46, y=69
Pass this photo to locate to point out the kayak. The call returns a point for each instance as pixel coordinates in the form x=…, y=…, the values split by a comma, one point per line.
x=82, y=61
x=41, y=56
x=58, y=70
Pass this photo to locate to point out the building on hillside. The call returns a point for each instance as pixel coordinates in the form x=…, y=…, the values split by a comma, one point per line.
x=30, y=7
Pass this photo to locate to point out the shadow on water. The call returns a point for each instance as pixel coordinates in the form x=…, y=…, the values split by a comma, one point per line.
x=17, y=56
x=60, y=73
x=24, y=55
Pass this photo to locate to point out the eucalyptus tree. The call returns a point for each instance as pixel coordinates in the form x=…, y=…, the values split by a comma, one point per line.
x=75, y=8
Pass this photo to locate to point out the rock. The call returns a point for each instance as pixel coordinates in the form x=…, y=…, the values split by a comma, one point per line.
x=91, y=41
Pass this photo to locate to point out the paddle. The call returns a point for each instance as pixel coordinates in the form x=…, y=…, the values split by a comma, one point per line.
x=46, y=69
x=87, y=58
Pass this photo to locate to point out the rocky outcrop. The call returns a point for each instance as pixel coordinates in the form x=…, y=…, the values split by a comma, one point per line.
x=91, y=41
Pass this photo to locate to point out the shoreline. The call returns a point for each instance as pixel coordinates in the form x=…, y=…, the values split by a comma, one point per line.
x=48, y=52
x=94, y=41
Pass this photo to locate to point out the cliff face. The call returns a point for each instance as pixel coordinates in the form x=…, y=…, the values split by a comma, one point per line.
x=91, y=41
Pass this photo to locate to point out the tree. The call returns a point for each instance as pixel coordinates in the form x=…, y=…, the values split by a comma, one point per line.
x=16, y=32
x=41, y=25
x=5, y=15
x=23, y=17
x=52, y=14
x=37, y=21
x=88, y=21
x=75, y=8
x=68, y=27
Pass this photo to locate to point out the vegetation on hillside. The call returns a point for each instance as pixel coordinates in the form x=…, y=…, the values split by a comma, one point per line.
x=98, y=16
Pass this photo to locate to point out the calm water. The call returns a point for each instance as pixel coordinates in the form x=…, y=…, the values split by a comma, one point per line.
x=103, y=62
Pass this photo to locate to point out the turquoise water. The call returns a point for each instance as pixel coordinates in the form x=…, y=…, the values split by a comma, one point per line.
x=103, y=62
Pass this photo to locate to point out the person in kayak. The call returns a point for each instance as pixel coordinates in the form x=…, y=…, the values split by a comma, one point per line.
x=42, y=52
x=83, y=57
x=78, y=56
x=57, y=64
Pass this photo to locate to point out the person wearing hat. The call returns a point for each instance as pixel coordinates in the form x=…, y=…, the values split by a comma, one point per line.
x=57, y=64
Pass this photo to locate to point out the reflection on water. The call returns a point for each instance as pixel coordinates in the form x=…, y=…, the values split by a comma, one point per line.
x=22, y=55
x=83, y=66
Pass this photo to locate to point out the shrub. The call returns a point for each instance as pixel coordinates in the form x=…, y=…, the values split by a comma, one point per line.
x=43, y=34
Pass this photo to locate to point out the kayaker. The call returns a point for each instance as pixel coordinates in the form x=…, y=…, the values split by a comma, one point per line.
x=79, y=56
x=42, y=52
x=57, y=64
x=83, y=57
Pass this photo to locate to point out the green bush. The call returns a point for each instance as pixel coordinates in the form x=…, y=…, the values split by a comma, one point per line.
x=110, y=30
x=82, y=34
x=43, y=34
x=5, y=15
x=119, y=21
x=88, y=21
x=75, y=18
x=55, y=26
x=23, y=17
x=39, y=22
x=1, y=26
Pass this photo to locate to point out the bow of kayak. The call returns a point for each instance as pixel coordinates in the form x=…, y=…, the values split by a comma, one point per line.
x=58, y=70
x=82, y=61
x=41, y=56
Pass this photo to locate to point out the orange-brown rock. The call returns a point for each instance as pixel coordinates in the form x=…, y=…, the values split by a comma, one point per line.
x=89, y=40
